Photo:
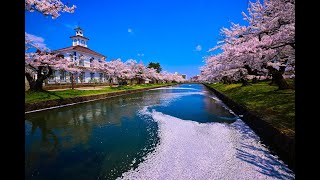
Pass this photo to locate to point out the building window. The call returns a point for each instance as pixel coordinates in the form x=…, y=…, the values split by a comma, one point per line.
x=82, y=77
x=81, y=62
x=70, y=77
x=91, y=59
x=91, y=76
x=63, y=75
x=106, y=77
x=101, y=77
x=53, y=75
x=82, y=41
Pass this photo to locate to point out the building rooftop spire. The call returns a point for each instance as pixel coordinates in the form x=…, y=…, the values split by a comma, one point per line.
x=78, y=27
x=79, y=38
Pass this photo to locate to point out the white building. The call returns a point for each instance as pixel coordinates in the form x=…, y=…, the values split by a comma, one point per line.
x=183, y=75
x=79, y=49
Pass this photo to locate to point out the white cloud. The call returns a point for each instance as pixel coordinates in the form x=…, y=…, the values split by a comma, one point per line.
x=70, y=26
x=34, y=38
x=140, y=54
x=198, y=48
x=35, y=41
x=129, y=30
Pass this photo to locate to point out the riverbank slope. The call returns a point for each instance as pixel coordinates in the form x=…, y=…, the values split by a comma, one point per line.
x=35, y=101
x=268, y=111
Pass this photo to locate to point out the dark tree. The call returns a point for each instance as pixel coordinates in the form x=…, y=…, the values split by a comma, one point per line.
x=155, y=66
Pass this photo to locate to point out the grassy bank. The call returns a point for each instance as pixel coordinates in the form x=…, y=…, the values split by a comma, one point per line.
x=274, y=106
x=32, y=97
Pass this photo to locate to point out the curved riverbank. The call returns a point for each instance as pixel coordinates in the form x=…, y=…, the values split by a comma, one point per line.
x=56, y=103
x=278, y=142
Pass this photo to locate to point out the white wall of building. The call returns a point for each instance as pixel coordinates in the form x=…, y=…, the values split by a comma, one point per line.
x=56, y=78
x=86, y=63
x=86, y=57
x=79, y=41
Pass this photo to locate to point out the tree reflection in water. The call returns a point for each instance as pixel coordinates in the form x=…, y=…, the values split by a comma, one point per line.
x=92, y=132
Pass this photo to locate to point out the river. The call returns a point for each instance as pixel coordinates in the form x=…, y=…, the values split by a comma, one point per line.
x=178, y=132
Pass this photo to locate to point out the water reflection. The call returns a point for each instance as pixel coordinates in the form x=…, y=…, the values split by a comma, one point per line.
x=103, y=130
x=195, y=103
x=107, y=137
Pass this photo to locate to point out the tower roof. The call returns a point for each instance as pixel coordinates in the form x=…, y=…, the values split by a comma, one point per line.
x=79, y=37
x=79, y=48
x=78, y=28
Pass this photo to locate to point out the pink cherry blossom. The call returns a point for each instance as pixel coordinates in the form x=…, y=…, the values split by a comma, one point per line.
x=48, y=7
x=267, y=42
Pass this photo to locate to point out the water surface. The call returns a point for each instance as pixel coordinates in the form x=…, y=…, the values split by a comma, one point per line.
x=180, y=132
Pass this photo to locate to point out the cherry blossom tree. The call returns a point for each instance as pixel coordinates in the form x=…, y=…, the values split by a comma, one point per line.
x=159, y=78
x=127, y=72
x=114, y=68
x=131, y=70
x=169, y=77
x=39, y=66
x=34, y=42
x=266, y=45
x=48, y=7
x=178, y=78
x=138, y=69
x=152, y=74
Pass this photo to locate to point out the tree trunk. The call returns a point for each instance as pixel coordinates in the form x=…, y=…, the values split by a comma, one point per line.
x=224, y=80
x=72, y=81
x=294, y=83
x=31, y=81
x=37, y=85
x=139, y=80
x=281, y=82
x=244, y=82
x=273, y=82
x=277, y=78
x=252, y=71
x=254, y=80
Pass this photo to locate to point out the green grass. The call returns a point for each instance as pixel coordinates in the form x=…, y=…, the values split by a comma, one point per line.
x=32, y=97
x=272, y=105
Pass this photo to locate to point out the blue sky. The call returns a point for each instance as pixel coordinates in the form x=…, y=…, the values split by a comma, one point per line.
x=175, y=33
